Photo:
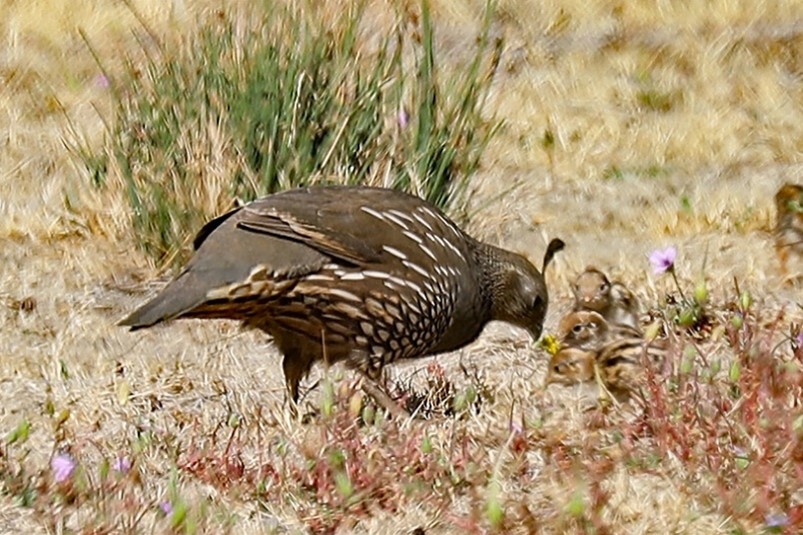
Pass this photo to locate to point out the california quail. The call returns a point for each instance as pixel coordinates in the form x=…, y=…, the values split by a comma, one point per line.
x=618, y=358
x=789, y=228
x=586, y=329
x=355, y=274
x=571, y=365
x=593, y=291
x=622, y=362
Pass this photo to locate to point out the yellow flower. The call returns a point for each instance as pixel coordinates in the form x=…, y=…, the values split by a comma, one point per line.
x=550, y=344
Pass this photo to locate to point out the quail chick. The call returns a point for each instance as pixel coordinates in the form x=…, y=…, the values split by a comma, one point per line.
x=789, y=229
x=588, y=330
x=594, y=291
x=624, y=309
x=618, y=362
x=571, y=365
x=591, y=290
x=621, y=363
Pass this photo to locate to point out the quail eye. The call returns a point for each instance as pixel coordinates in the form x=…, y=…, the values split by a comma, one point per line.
x=537, y=301
x=577, y=328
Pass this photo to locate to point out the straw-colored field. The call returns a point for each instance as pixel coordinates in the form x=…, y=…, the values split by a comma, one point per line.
x=628, y=126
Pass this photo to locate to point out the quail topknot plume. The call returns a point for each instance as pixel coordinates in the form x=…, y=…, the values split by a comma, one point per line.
x=355, y=274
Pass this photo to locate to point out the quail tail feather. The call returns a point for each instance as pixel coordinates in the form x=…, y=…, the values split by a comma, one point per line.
x=178, y=297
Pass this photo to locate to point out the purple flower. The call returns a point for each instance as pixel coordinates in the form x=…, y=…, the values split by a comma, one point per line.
x=663, y=260
x=403, y=118
x=63, y=466
x=122, y=465
x=101, y=81
x=166, y=507
x=776, y=520
x=799, y=340
x=740, y=452
x=516, y=428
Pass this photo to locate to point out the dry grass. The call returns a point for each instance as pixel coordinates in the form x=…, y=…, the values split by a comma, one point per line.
x=628, y=126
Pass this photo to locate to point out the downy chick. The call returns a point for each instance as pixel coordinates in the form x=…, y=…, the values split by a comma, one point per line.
x=594, y=291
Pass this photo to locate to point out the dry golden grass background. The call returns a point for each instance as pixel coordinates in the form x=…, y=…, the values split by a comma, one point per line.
x=615, y=115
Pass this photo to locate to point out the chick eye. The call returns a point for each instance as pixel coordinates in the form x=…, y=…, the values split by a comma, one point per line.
x=603, y=287
x=537, y=301
x=577, y=328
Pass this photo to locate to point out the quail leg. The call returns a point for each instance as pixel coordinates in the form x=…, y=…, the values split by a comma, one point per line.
x=295, y=367
x=372, y=387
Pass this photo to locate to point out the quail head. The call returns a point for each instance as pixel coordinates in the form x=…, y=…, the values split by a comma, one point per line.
x=592, y=290
x=588, y=330
x=583, y=329
x=789, y=229
x=571, y=365
x=366, y=276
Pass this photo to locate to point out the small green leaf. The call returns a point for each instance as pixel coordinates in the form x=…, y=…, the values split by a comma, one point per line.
x=328, y=399
x=65, y=373
x=62, y=417
x=701, y=293
x=460, y=403
x=234, y=420
x=179, y=515
x=745, y=300
x=685, y=204
x=426, y=444
x=471, y=395
x=337, y=458
x=576, y=506
x=103, y=469
x=735, y=372
x=368, y=414
x=686, y=365
x=715, y=367
x=687, y=317
x=20, y=433
x=50, y=407
x=548, y=139
x=797, y=424
x=343, y=484
x=493, y=507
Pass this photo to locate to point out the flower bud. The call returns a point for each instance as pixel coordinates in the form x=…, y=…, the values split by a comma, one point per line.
x=701, y=293
x=745, y=300
x=735, y=372
x=688, y=317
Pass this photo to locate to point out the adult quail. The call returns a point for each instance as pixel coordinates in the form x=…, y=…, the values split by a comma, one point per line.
x=355, y=274
x=789, y=228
